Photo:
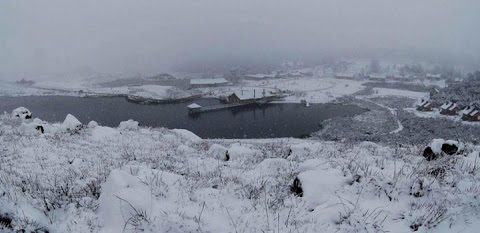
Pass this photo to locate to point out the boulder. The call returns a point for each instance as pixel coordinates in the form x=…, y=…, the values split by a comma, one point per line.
x=429, y=154
x=129, y=125
x=440, y=147
x=22, y=113
x=72, y=124
x=449, y=149
x=219, y=152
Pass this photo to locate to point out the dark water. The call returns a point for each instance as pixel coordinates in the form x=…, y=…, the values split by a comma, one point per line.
x=272, y=120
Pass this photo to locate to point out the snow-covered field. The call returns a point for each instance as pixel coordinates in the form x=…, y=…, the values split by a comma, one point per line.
x=380, y=92
x=311, y=89
x=91, y=178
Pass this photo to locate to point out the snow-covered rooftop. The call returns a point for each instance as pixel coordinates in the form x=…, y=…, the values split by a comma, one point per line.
x=255, y=93
x=193, y=106
x=208, y=81
x=449, y=106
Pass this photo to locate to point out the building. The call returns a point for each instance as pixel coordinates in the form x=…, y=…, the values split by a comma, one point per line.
x=424, y=106
x=433, y=92
x=249, y=96
x=470, y=113
x=208, y=82
x=193, y=108
x=449, y=108
x=433, y=76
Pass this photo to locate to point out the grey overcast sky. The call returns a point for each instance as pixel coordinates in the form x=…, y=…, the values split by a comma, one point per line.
x=149, y=36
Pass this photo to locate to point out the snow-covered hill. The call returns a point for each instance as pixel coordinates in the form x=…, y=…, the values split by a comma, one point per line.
x=91, y=178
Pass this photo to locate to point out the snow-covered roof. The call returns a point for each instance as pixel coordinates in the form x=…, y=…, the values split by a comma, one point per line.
x=252, y=94
x=261, y=76
x=193, y=106
x=424, y=103
x=448, y=106
x=433, y=75
x=208, y=81
x=473, y=113
x=467, y=110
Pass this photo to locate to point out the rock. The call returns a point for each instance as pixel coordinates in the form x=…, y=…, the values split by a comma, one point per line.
x=440, y=147
x=219, y=152
x=429, y=154
x=22, y=113
x=92, y=124
x=296, y=187
x=40, y=129
x=72, y=124
x=128, y=125
x=449, y=149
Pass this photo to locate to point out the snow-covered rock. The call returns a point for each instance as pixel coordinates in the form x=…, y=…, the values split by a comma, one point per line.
x=92, y=124
x=128, y=125
x=439, y=147
x=187, y=135
x=219, y=152
x=319, y=185
x=123, y=196
x=71, y=123
x=22, y=113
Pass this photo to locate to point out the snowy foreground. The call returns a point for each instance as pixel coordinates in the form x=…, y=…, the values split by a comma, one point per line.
x=89, y=178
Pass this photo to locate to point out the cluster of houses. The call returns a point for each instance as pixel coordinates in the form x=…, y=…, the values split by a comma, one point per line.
x=208, y=82
x=385, y=77
x=468, y=113
x=280, y=74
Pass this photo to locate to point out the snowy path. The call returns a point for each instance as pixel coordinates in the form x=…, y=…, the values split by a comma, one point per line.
x=391, y=110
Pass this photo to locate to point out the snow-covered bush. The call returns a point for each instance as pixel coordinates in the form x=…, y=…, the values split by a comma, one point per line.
x=22, y=113
x=128, y=125
x=218, y=152
x=72, y=124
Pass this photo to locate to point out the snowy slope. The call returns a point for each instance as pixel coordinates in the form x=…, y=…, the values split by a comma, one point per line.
x=132, y=179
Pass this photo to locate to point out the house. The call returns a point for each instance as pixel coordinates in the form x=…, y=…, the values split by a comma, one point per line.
x=261, y=76
x=424, y=106
x=193, y=108
x=470, y=113
x=207, y=82
x=449, y=108
x=433, y=92
x=345, y=75
x=375, y=77
x=249, y=96
x=433, y=76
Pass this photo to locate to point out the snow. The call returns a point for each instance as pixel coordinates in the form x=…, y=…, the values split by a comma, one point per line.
x=380, y=92
x=252, y=93
x=106, y=179
x=123, y=196
x=217, y=151
x=128, y=125
x=437, y=143
x=22, y=113
x=208, y=81
x=319, y=186
x=71, y=123
x=193, y=106
x=187, y=135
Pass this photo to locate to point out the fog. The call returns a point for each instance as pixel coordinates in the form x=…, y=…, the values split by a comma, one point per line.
x=153, y=36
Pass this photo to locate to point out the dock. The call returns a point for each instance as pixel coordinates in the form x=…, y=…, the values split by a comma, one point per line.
x=217, y=107
x=195, y=108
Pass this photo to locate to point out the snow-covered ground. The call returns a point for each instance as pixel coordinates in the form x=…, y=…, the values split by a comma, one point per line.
x=128, y=179
x=436, y=114
x=311, y=89
x=396, y=92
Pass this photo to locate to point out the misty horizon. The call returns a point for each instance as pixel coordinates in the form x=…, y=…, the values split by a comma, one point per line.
x=154, y=36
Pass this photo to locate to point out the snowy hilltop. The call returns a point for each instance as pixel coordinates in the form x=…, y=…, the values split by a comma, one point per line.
x=71, y=177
